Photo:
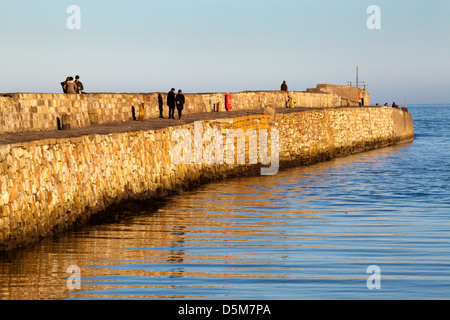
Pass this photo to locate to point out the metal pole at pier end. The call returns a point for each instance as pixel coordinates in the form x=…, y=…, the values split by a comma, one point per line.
x=357, y=71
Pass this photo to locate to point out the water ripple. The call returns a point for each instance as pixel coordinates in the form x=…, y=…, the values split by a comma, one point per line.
x=306, y=233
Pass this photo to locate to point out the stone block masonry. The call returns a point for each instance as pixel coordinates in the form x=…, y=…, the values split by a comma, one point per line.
x=47, y=186
x=33, y=112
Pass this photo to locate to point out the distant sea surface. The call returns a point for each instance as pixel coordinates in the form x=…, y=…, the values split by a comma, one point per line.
x=306, y=233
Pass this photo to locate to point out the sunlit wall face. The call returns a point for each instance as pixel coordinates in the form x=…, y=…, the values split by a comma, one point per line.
x=204, y=46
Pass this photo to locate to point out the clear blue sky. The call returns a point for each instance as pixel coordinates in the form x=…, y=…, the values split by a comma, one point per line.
x=228, y=45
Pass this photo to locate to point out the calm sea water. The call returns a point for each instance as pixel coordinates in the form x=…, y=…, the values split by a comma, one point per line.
x=305, y=233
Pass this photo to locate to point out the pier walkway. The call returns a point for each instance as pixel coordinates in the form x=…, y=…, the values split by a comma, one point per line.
x=131, y=126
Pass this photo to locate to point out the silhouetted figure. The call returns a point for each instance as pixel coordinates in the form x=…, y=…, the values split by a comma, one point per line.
x=180, y=102
x=133, y=113
x=171, y=103
x=284, y=86
x=63, y=84
x=160, y=104
x=80, y=87
x=394, y=105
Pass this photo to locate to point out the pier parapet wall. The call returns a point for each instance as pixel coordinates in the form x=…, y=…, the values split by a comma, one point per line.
x=48, y=186
x=32, y=112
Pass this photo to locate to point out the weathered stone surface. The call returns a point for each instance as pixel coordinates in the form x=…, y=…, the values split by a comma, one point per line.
x=25, y=112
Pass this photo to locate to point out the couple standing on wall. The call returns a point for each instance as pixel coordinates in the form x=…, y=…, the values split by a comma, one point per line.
x=71, y=87
x=172, y=101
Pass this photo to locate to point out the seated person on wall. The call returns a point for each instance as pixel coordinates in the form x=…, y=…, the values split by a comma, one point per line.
x=284, y=86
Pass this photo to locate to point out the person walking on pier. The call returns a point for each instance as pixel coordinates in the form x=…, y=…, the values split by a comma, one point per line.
x=160, y=104
x=180, y=102
x=171, y=103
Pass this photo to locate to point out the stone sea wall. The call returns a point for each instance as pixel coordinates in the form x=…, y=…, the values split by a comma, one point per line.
x=47, y=186
x=24, y=112
x=28, y=112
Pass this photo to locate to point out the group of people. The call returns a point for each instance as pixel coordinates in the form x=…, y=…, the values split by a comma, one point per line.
x=71, y=87
x=173, y=101
x=394, y=105
x=178, y=101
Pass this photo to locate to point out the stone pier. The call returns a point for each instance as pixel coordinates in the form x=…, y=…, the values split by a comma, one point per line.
x=62, y=178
